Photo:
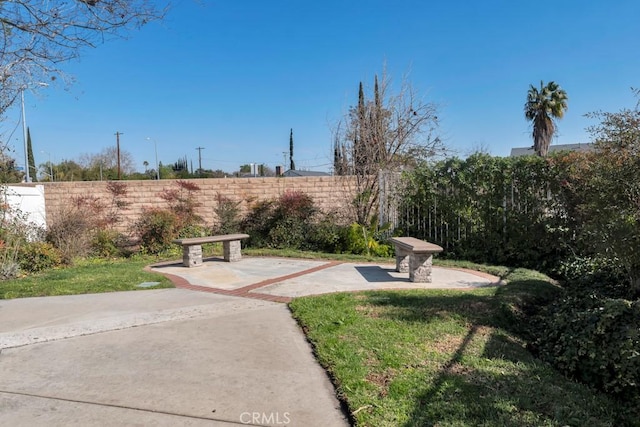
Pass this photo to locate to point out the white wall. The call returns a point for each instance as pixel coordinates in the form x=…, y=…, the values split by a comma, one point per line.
x=29, y=201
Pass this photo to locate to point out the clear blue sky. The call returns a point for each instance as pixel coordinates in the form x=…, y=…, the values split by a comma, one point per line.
x=235, y=76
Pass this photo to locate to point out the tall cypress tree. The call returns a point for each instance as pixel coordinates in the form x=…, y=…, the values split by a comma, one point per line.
x=293, y=165
x=31, y=162
x=359, y=150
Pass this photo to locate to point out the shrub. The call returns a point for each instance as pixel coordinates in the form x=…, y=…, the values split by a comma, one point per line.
x=367, y=240
x=295, y=204
x=292, y=221
x=11, y=239
x=328, y=235
x=193, y=230
x=596, y=341
x=156, y=228
x=354, y=239
x=108, y=243
x=257, y=223
x=288, y=232
x=9, y=269
x=38, y=256
x=70, y=231
x=601, y=276
x=285, y=223
x=183, y=203
x=228, y=213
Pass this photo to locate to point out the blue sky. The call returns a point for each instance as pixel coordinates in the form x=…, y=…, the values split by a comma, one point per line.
x=235, y=76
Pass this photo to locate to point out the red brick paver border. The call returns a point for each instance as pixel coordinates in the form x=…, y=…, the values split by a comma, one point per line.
x=245, y=291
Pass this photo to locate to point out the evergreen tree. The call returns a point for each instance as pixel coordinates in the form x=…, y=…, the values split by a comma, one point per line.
x=293, y=165
x=31, y=162
x=359, y=151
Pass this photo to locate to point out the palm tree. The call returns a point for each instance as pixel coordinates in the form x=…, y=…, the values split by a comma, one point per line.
x=543, y=106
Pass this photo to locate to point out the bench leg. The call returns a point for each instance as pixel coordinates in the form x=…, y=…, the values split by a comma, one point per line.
x=420, y=268
x=402, y=260
x=231, y=251
x=192, y=255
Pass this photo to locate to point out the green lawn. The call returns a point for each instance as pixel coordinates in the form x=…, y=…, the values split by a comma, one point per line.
x=446, y=358
x=86, y=276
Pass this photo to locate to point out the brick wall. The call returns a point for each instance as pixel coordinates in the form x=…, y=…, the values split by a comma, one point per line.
x=329, y=193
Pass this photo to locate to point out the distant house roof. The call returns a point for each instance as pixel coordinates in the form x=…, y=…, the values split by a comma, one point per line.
x=295, y=173
x=525, y=151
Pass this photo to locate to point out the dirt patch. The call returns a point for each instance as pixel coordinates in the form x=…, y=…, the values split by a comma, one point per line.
x=368, y=311
x=447, y=344
x=381, y=380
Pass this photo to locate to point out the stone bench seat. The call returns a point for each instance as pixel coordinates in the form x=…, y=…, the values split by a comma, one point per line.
x=192, y=248
x=415, y=256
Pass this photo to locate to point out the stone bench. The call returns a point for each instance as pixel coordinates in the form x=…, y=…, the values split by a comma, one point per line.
x=192, y=248
x=415, y=256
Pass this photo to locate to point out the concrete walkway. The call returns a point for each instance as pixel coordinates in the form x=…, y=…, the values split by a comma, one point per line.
x=220, y=350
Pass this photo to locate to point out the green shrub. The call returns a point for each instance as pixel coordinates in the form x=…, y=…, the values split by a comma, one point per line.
x=367, y=240
x=258, y=222
x=285, y=223
x=156, y=228
x=602, y=276
x=193, y=230
x=594, y=340
x=38, y=256
x=109, y=243
x=228, y=213
x=354, y=239
x=328, y=235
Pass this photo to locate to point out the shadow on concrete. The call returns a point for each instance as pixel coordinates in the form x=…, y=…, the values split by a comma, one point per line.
x=377, y=274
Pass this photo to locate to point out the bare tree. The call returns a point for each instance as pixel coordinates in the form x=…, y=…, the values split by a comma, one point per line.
x=386, y=134
x=38, y=36
x=108, y=159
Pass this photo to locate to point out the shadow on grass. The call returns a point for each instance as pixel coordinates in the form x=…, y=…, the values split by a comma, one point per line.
x=490, y=376
x=419, y=307
x=508, y=388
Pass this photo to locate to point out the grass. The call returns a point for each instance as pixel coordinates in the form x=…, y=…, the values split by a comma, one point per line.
x=447, y=358
x=86, y=276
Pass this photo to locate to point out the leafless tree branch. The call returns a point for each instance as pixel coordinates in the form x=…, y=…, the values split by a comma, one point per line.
x=39, y=35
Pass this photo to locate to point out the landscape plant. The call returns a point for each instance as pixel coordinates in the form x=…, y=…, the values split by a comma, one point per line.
x=37, y=256
x=88, y=225
x=156, y=229
x=14, y=231
x=70, y=227
x=182, y=200
x=543, y=107
x=382, y=135
x=485, y=209
x=228, y=215
x=283, y=223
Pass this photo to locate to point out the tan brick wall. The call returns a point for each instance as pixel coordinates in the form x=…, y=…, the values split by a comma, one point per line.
x=329, y=193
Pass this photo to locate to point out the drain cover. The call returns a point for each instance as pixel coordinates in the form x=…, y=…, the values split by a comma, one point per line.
x=148, y=284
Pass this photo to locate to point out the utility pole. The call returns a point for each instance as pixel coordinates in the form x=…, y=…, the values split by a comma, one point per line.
x=200, y=160
x=24, y=136
x=118, y=150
